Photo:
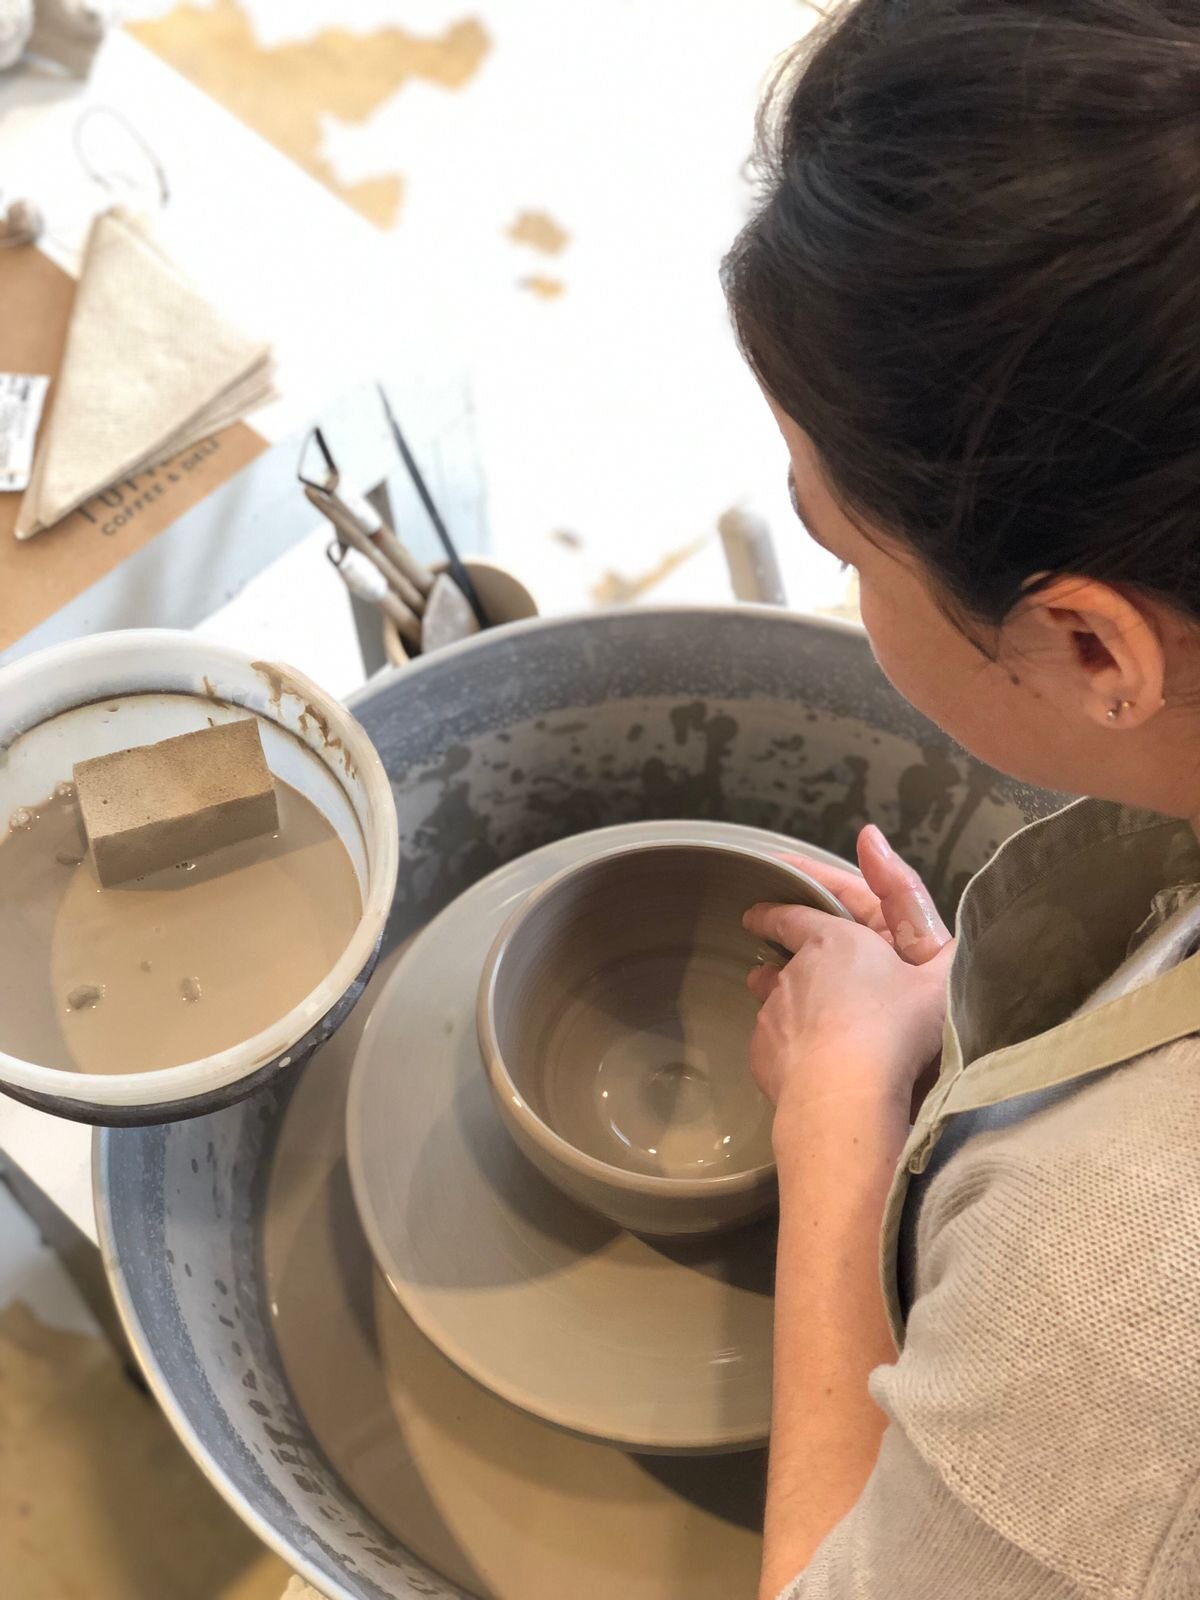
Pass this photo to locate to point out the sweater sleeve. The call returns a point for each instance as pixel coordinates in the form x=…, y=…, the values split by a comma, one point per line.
x=910, y=1539
x=1044, y=1419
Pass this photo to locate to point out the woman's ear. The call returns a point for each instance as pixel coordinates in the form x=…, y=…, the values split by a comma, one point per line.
x=1109, y=643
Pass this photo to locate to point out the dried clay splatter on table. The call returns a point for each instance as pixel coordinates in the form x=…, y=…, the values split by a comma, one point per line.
x=539, y=231
x=286, y=92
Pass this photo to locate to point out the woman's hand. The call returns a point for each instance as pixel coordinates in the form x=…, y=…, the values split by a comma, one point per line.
x=858, y=1011
x=845, y=1029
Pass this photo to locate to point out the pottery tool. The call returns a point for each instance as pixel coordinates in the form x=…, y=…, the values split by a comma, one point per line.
x=372, y=525
x=349, y=531
x=453, y=560
x=159, y=804
x=359, y=525
x=430, y=611
x=448, y=616
x=365, y=582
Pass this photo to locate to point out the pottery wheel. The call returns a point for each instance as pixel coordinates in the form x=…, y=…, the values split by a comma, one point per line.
x=655, y=1346
x=500, y=1503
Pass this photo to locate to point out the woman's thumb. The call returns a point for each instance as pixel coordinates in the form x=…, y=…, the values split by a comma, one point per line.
x=908, y=909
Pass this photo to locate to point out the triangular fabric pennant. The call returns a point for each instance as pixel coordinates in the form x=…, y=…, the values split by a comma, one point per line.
x=149, y=368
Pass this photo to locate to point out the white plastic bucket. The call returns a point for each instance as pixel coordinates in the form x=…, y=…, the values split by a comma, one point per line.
x=115, y=690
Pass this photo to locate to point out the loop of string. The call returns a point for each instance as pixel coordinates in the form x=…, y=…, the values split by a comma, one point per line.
x=116, y=158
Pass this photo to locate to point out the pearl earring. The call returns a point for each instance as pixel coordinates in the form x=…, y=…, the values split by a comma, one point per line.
x=1115, y=710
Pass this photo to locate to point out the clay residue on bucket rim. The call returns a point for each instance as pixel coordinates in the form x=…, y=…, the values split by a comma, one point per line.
x=280, y=687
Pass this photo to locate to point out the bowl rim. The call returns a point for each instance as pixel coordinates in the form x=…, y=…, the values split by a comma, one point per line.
x=516, y=1105
x=189, y=1080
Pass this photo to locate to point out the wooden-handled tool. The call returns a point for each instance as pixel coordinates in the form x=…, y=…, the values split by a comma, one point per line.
x=430, y=610
x=385, y=541
x=365, y=582
x=350, y=531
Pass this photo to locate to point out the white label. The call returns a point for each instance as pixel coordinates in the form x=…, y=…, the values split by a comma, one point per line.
x=21, y=399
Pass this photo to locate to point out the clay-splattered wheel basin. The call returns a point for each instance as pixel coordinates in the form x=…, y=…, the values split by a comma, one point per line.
x=520, y=737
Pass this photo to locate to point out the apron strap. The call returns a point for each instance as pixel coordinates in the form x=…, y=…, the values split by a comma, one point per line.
x=1158, y=1014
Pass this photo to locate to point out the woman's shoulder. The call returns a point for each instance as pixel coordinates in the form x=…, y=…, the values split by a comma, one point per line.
x=1114, y=1157
x=1133, y=1122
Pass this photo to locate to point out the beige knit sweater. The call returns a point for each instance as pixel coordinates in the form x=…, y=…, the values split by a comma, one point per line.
x=1044, y=1438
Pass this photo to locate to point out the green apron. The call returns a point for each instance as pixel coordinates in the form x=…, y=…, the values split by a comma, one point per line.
x=1043, y=990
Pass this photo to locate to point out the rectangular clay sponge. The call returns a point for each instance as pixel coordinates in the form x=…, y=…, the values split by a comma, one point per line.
x=160, y=804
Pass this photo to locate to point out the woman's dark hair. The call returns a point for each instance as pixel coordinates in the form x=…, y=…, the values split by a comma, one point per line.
x=974, y=280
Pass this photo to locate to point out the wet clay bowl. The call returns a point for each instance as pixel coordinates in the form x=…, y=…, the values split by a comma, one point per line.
x=615, y=1023
x=116, y=690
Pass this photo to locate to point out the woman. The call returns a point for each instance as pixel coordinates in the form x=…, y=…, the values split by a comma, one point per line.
x=971, y=295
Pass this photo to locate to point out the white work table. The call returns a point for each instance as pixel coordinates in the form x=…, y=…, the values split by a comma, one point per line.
x=54, y=1155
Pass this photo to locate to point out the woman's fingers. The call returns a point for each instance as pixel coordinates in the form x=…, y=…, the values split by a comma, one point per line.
x=858, y=898
x=763, y=982
x=790, y=926
x=917, y=929
x=889, y=898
